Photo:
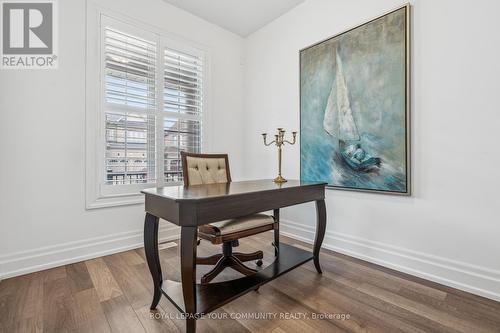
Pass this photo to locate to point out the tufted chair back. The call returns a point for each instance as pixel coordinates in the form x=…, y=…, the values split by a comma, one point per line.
x=200, y=169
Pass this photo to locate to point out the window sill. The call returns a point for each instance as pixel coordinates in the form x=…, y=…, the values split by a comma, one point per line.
x=115, y=201
x=125, y=199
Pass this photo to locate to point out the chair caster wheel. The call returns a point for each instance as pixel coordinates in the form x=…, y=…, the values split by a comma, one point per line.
x=259, y=262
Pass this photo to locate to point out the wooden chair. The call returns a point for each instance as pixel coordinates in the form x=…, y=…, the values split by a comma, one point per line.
x=210, y=169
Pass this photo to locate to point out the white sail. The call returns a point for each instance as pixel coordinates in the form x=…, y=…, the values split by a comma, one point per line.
x=330, y=121
x=338, y=120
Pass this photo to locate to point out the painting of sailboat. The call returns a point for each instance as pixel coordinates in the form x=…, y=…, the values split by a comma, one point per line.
x=340, y=124
x=355, y=107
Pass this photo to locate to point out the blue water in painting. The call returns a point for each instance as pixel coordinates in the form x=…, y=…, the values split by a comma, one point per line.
x=373, y=58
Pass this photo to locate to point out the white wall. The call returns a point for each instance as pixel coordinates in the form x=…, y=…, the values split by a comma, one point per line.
x=43, y=219
x=449, y=229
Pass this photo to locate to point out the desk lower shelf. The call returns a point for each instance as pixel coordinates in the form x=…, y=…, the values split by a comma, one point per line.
x=214, y=295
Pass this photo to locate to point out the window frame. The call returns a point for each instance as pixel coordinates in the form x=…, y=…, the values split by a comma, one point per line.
x=99, y=194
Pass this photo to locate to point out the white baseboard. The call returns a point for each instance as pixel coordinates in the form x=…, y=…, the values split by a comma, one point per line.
x=478, y=280
x=464, y=276
x=25, y=262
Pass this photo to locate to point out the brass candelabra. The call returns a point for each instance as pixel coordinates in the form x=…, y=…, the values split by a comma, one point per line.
x=279, y=141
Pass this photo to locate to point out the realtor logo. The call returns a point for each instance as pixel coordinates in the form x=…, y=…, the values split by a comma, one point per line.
x=28, y=31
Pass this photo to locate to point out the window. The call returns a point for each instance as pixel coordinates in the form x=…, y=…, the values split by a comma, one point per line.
x=150, y=103
x=130, y=112
x=182, y=97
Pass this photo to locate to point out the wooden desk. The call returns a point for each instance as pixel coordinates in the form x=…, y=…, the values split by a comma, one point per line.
x=189, y=207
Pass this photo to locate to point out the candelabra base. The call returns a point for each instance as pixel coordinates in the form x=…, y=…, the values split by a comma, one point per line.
x=280, y=180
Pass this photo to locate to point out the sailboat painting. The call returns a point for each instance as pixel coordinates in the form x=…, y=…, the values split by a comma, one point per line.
x=354, y=103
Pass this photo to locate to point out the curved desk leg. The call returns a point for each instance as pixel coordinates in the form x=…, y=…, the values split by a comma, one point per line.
x=320, y=231
x=189, y=241
x=276, y=243
x=151, y=249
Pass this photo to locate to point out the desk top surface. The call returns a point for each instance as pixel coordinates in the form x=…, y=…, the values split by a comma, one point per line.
x=207, y=191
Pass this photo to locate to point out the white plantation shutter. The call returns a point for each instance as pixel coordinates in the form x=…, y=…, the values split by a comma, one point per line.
x=130, y=75
x=183, y=106
x=130, y=106
x=152, y=107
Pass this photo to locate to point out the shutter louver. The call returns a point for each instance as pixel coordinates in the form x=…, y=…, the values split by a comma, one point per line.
x=183, y=103
x=130, y=106
x=183, y=83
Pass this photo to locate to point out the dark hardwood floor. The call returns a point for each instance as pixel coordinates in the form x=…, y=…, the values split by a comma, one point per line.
x=113, y=293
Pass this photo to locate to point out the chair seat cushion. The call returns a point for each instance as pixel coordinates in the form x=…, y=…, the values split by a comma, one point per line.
x=236, y=225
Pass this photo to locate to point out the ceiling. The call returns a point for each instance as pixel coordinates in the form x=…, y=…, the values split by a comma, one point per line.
x=239, y=16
